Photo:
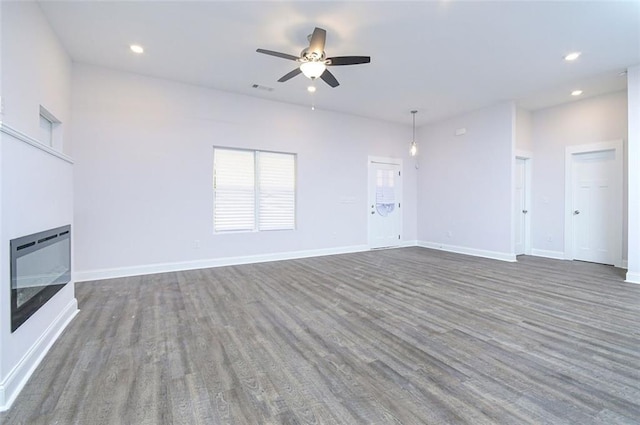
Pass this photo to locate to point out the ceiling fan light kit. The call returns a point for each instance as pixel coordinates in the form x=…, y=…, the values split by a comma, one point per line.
x=313, y=60
x=313, y=70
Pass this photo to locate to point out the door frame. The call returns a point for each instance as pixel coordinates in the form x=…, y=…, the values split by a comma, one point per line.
x=617, y=146
x=527, y=156
x=391, y=161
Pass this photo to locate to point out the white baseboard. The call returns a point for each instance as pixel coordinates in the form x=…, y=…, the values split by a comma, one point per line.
x=494, y=255
x=633, y=277
x=81, y=276
x=405, y=244
x=18, y=377
x=556, y=255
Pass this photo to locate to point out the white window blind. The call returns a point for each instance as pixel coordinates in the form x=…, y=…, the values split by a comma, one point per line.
x=276, y=179
x=253, y=190
x=234, y=190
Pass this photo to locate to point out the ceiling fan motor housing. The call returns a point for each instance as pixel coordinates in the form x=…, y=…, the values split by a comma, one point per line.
x=310, y=56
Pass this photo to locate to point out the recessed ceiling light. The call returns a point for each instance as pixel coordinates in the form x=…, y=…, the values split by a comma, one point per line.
x=311, y=89
x=136, y=48
x=576, y=93
x=572, y=56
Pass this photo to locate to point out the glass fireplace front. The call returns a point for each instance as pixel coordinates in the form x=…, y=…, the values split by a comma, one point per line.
x=40, y=267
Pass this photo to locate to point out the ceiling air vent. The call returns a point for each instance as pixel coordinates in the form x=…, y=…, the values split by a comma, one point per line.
x=263, y=88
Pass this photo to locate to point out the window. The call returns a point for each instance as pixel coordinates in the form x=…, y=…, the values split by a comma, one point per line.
x=253, y=190
x=46, y=131
x=50, y=129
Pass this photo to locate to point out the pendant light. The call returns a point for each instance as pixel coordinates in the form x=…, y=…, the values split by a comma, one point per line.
x=413, y=149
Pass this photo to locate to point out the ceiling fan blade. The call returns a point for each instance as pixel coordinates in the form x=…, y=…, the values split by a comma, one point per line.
x=318, y=38
x=328, y=78
x=348, y=60
x=289, y=75
x=277, y=54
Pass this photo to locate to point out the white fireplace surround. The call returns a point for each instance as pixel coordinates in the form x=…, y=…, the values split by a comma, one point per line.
x=48, y=191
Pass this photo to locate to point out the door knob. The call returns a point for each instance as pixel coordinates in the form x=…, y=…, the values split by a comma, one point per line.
x=373, y=212
x=524, y=211
x=576, y=212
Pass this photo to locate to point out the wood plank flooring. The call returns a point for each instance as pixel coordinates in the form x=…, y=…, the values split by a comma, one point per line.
x=402, y=336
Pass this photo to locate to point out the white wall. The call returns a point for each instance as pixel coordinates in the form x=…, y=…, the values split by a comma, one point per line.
x=36, y=71
x=36, y=185
x=592, y=120
x=633, y=89
x=143, y=164
x=465, y=183
x=524, y=142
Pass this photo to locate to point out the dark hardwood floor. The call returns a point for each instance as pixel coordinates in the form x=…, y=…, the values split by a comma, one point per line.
x=402, y=336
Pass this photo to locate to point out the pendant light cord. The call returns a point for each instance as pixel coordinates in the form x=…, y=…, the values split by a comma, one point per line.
x=414, y=125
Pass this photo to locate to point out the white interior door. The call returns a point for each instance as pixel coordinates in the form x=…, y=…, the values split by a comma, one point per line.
x=520, y=210
x=597, y=221
x=385, y=190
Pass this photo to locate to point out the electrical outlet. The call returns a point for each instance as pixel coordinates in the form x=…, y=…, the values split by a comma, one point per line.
x=460, y=131
x=1, y=106
x=449, y=234
x=196, y=244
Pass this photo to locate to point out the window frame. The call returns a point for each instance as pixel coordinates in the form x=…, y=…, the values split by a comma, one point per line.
x=53, y=131
x=256, y=194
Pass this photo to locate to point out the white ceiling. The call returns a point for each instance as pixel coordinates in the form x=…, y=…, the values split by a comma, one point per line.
x=441, y=58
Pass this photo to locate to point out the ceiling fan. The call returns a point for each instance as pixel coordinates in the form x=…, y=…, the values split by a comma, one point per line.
x=313, y=61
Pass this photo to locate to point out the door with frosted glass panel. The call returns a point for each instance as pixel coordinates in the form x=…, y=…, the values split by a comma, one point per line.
x=385, y=190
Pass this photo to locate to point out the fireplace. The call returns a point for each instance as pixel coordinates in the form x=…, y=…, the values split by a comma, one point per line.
x=40, y=267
